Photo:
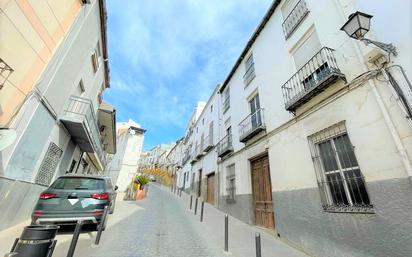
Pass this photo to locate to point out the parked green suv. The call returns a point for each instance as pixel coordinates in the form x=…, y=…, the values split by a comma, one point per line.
x=72, y=198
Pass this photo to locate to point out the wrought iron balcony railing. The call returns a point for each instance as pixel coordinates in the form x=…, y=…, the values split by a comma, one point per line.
x=225, y=146
x=251, y=125
x=319, y=72
x=208, y=143
x=294, y=18
x=186, y=157
x=79, y=119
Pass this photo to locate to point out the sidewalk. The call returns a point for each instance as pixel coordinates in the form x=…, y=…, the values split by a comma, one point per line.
x=123, y=210
x=241, y=235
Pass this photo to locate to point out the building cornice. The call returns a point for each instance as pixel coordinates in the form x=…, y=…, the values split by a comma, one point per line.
x=251, y=41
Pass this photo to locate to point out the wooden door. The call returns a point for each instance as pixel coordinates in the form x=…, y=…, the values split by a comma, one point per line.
x=211, y=188
x=262, y=193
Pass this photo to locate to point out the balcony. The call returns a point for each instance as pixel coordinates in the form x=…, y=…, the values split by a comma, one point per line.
x=294, y=18
x=314, y=77
x=186, y=157
x=193, y=158
x=199, y=151
x=208, y=143
x=79, y=119
x=225, y=146
x=252, y=125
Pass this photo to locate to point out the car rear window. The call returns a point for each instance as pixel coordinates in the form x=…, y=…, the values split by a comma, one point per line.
x=78, y=183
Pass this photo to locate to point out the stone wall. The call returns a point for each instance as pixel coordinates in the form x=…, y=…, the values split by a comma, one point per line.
x=301, y=221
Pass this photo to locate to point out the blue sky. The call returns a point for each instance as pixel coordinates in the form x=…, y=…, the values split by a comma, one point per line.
x=167, y=55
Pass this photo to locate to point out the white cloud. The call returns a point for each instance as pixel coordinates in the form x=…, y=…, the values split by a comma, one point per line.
x=168, y=54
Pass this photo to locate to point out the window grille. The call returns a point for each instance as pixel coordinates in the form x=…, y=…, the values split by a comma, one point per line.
x=249, y=70
x=230, y=184
x=5, y=71
x=340, y=180
x=48, y=165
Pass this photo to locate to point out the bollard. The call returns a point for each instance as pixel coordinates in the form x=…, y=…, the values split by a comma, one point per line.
x=181, y=192
x=226, y=233
x=75, y=238
x=258, y=246
x=201, y=211
x=171, y=188
x=191, y=199
x=35, y=241
x=102, y=225
x=196, y=206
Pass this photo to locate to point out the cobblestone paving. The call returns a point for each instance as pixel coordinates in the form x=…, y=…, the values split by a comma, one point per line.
x=161, y=229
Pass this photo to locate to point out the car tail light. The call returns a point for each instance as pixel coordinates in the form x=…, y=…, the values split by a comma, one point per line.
x=98, y=212
x=37, y=213
x=47, y=195
x=101, y=196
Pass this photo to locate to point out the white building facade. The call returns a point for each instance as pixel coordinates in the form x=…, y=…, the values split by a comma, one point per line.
x=125, y=163
x=62, y=126
x=314, y=131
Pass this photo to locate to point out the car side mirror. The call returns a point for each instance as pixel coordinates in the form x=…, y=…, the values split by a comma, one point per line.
x=115, y=188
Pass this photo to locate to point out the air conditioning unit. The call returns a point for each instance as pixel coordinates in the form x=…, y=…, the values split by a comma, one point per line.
x=86, y=1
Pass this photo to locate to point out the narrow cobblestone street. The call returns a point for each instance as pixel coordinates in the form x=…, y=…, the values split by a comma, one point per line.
x=161, y=225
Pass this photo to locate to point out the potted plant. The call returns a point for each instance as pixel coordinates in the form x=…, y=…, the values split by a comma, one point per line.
x=139, y=185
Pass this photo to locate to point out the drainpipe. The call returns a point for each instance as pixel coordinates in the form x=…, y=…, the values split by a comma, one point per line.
x=218, y=139
x=388, y=121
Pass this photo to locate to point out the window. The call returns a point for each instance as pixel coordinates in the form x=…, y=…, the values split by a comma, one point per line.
x=80, y=88
x=226, y=100
x=78, y=183
x=48, y=165
x=72, y=165
x=96, y=57
x=203, y=121
x=229, y=131
x=211, y=133
x=99, y=98
x=5, y=71
x=211, y=108
x=306, y=50
x=230, y=183
x=249, y=71
x=340, y=179
x=255, y=113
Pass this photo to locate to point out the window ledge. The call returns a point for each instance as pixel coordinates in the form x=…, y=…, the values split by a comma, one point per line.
x=366, y=209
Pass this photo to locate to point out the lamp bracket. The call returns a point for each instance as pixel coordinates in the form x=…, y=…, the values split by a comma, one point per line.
x=389, y=48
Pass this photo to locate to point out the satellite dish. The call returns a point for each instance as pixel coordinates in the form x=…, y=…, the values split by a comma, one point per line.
x=7, y=137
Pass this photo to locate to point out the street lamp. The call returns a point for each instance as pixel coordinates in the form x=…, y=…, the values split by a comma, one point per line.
x=358, y=25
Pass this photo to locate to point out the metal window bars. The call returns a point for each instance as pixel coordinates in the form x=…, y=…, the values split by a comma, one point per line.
x=341, y=183
x=251, y=125
x=312, y=78
x=230, y=188
x=295, y=17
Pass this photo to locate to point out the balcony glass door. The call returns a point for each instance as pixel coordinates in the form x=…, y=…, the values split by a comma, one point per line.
x=255, y=115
